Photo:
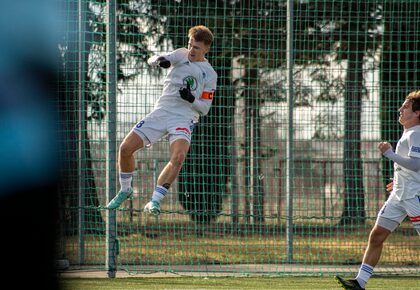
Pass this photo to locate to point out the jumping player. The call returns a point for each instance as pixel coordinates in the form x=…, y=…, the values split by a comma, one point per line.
x=404, y=199
x=187, y=94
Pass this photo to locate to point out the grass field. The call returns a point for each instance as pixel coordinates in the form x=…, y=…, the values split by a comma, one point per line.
x=178, y=244
x=178, y=248
x=232, y=283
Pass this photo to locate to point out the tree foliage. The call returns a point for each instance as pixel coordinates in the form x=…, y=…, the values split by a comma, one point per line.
x=326, y=32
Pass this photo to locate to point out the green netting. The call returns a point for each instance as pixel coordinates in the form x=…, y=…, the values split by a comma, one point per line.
x=354, y=63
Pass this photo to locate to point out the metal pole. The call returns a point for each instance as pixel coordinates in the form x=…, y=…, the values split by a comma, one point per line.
x=111, y=93
x=81, y=115
x=289, y=150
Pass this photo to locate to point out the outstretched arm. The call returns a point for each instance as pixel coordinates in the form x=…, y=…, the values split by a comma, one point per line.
x=159, y=61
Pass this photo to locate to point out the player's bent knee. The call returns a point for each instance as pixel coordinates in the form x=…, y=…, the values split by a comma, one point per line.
x=125, y=150
x=178, y=159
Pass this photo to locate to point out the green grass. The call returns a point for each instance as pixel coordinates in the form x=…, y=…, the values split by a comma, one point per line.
x=173, y=247
x=232, y=283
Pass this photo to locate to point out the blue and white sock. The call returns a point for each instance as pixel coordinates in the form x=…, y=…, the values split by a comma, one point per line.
x=365, y=271
x=125, y=180
x=159, y=193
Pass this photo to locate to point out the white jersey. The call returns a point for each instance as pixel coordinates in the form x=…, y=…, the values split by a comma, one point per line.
x=407, y=182
x=202, y=79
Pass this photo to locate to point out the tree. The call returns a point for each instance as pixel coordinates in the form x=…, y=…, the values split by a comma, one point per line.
x=350, y=36
x=253, y=29
x=347, y=36
x=75, y=129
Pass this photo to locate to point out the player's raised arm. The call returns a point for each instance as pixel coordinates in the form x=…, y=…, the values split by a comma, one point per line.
x=157, y=60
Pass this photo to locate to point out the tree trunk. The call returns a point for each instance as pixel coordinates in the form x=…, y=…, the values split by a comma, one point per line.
x=206, y=170
x=354, y=197
x=257, y=179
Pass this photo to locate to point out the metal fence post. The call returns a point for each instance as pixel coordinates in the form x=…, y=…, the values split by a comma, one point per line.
x=289, y=150
x=111, y=93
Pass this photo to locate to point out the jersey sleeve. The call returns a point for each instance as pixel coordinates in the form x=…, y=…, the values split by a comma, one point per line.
x=203, y=103
x=177, y=55
x=410, y=162
x=210, y=87
x=414, y=145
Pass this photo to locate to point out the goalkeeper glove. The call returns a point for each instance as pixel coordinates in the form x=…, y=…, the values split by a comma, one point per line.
x=159, y=61
x=185, y=94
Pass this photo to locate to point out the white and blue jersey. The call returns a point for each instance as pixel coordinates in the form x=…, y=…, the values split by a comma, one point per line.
x=202, y=79
x=407, y=182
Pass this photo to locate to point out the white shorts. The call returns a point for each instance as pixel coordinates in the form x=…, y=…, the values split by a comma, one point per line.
x=160, y=123
x=393, y=212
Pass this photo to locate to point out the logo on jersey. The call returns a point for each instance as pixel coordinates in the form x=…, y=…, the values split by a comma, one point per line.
x=415, y=149
x=191, y=81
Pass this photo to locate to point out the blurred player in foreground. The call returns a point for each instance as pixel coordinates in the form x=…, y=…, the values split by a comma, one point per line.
x=404, y=199
x=187, y=94
x=29, y=146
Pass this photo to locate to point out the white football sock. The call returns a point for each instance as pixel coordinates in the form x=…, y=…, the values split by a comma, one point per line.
x=159, y=193
x=365, y=271
x=125, y=180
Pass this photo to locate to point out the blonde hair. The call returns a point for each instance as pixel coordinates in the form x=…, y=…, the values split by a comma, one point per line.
x=201, y=33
